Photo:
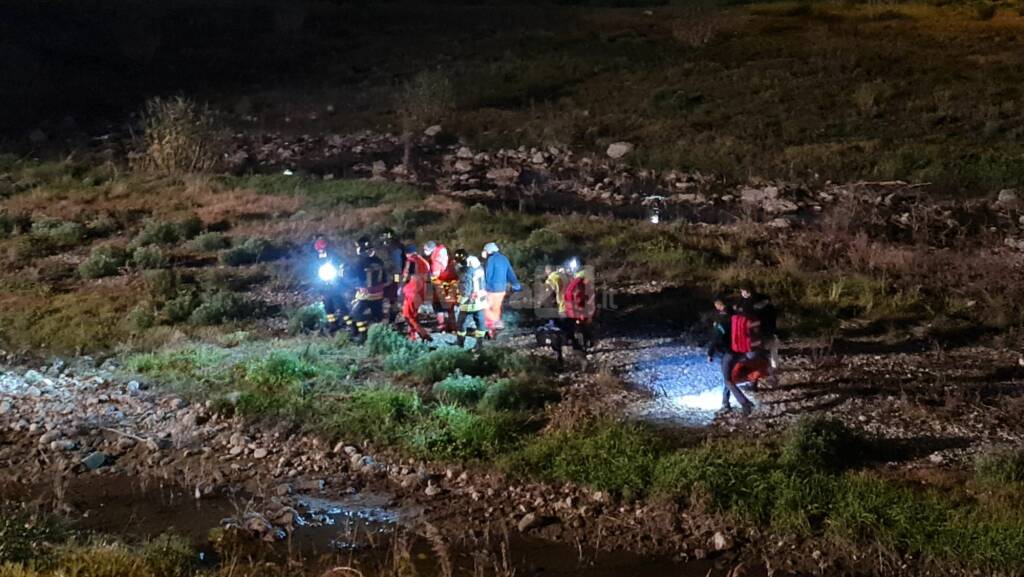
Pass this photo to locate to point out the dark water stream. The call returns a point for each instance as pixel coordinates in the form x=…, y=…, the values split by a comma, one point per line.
x=360, y=530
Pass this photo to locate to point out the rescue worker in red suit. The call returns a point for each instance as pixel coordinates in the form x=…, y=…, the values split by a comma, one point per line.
x=580, y=308
x=445, y=280
x=415, y=275
x=368, y=275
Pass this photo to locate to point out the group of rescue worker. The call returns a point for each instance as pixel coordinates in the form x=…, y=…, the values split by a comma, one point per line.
x=467, y=292
x=744, y=336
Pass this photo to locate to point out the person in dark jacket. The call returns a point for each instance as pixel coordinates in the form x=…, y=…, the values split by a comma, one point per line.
x=368, y=304
x=721, y=345
x=328, y=266
x=761, y=307
x=393, y=253
x=499, y=277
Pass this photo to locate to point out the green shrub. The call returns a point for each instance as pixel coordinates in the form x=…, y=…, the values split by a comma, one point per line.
x=736, y=480
x=190, y=227
x=25, y=537
x=612, y=457
x=821, y=443
x=307, y=318
x=149, y=258
x=251, y=251
x=459, y=389
x=161, y=284
x=104, y=260
x=378, y=414
x=209, y=242
x=216, y=308
x=103, y=225
x=158, y=232
x=453, y=432
x=440, y=363
x=57, y=233
x=181, y=307
x=169, y=556
x=278, y=370
x=517, y=395
x=1000, y=466
x=141, y=318
x=382, y=339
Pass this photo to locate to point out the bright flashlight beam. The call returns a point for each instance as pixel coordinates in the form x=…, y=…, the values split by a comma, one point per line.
x=686, y=387
x=328, y=272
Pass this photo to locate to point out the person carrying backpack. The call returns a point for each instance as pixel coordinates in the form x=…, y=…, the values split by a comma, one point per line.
x=723, y=343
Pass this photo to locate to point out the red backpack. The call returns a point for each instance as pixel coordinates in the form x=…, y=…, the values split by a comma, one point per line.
x=745, y=333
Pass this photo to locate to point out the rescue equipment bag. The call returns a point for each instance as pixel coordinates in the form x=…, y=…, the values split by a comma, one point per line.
x=746, y=335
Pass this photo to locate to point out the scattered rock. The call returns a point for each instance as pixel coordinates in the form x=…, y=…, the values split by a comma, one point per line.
x=529, y=521
x=433, y=130
x=95, y=460
x=720, y=542
x=259, y=453
x=49, y=437
x=617, y=150
x=380, y=168
x=432, y=490
x=1008, y=198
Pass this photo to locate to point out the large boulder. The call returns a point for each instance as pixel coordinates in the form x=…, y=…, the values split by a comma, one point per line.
x=618, y=150
x=1008, y=198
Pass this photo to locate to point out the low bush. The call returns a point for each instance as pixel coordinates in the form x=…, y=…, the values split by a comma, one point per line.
x=166, y=233
x=451, y=431
x=821, y=443
x=149, y=258
x=158, y=232
x=440, y=363
x=141, y=318
x=278, y=370
x=24, y=537
x=104, y=260
x=161, y=284
x=517, y=395
x=1000, y=466
x=614, y=457
x=219, y=307
x=57, y=233
x=251, y=251
x=377, y=414
x=307, y=318
x=459, y=389
x=180, y=308
x=209, y=242
x=169, y=556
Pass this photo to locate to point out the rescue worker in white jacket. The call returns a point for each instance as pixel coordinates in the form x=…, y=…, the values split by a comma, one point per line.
x=473, y=302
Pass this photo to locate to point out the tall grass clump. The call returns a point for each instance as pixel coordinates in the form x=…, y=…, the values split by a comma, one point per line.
x=180, y=137
x=451, y=431
x=424, y=99
x=821, y=443
x=459, y=389
x=615, y=457
x=1000, y=466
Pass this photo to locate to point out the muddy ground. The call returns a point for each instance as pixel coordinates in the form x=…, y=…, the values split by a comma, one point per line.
x=75, y=422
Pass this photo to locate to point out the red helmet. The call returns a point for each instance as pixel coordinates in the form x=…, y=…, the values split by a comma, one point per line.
x=320, y=245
